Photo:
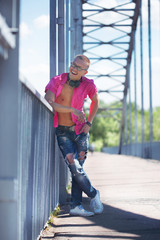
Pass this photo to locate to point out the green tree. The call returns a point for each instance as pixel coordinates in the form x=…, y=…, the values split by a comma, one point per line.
x=105, y=131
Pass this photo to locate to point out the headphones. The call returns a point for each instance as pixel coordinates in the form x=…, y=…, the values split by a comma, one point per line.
x=74, y=83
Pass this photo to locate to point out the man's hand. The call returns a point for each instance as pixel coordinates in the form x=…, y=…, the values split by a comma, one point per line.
x=79, y=114
x=85, y=128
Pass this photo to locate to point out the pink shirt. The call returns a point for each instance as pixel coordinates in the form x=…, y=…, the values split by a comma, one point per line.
x=86, y=88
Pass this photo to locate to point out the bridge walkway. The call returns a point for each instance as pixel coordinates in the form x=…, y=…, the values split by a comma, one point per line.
x=130, y=191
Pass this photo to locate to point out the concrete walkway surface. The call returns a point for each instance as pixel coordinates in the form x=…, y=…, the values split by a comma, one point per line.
x=130, y=191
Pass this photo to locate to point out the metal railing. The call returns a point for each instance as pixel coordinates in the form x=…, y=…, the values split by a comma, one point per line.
x=148, y=151
x=40, y=181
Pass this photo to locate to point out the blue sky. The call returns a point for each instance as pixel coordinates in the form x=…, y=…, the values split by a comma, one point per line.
x=34, y=45
x=34, y=42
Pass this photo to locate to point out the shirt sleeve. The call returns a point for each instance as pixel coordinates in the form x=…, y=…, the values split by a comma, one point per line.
x=92, y=90
x=52, y=85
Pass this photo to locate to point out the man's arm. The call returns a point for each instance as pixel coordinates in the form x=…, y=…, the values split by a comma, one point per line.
x=92, y=112
x=93, y=108
x=50, y=97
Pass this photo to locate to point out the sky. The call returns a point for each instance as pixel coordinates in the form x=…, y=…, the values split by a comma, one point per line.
x=34, y=47
x=34, y=42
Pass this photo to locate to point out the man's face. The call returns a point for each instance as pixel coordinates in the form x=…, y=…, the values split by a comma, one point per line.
x=77, y=69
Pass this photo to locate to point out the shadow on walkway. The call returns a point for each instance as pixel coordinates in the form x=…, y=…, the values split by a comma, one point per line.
x=114, y=223
x=130, y=192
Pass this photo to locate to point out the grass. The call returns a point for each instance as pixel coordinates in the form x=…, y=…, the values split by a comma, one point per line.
x=68, y=188
x=53, y=214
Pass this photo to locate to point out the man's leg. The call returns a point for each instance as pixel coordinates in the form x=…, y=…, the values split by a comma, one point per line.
x=67, y=148
x=79, y=175
x=83, y=182
x=79, y=183
x=76, y=194
x=82, y=145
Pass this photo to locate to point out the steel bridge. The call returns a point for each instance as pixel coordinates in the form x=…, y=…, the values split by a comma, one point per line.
x=111, y=34
x=112, y=38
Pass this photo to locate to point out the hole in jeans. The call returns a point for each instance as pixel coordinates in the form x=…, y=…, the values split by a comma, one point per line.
x=70, y=158
x=82, y=156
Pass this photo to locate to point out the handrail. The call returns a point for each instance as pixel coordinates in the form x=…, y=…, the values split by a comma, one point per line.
x=43, y=176
x=28, y=85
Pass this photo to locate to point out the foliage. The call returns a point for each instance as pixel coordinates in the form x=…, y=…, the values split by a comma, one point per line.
x=156, y=124
x=53, y=214
x=105, y=130
x=147, y=124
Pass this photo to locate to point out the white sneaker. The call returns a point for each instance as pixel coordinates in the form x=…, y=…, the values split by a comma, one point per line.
x=79, y=210
x=96, y=204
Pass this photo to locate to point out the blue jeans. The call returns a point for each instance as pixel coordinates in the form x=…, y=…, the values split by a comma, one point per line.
x=69, y=143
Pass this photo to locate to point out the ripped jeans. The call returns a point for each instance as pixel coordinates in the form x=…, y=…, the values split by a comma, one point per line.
x=70, y=143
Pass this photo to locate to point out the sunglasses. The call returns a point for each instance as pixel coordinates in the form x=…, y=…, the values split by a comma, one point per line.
x=77, y=67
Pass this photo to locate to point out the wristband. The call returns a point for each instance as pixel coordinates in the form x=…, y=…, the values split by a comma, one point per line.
x=89, y=124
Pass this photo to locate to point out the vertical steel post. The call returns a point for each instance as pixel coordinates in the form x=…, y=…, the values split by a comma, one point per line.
x=81, y=29
x=130, y=110
x=142, y=97
x=10, y=191
x=122, y=129
x=150, y=77
x=76, y=27
x=63, y=171
x=53, y=72
x=52, y=38
x=61, y=38
x=67, y=36
x=135, y=92
x=126, y=121
x=14, y=14
x=73, y=5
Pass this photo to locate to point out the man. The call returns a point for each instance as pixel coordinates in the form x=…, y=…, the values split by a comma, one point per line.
x=66, y=94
